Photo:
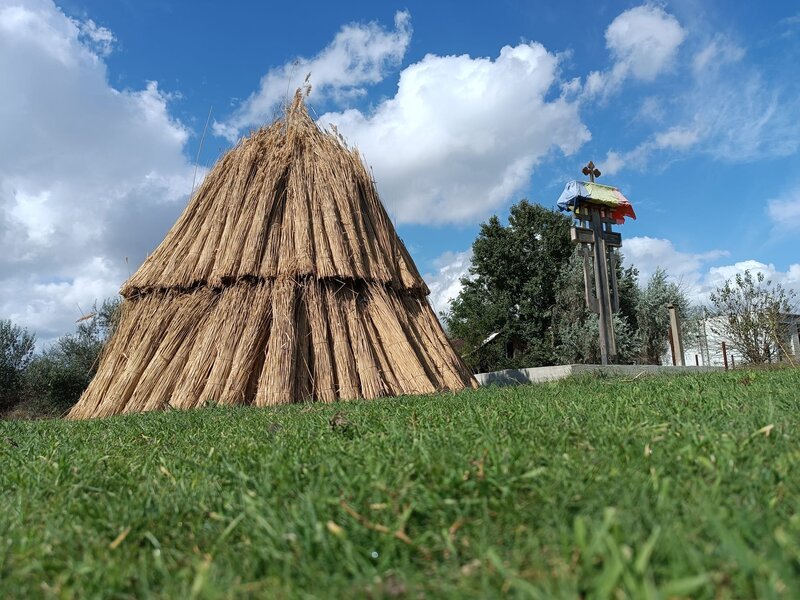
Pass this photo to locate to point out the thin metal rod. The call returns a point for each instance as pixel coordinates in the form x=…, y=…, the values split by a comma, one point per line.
x=200, y=148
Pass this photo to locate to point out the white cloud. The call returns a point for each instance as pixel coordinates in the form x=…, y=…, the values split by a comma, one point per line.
x=651, y=110
x=675, y=138
x=613, y=163
x=694, y=272
x=359, y=55
x=89, y=174
x=445, y=284
x=727, y=111
x=746, y=120
x=789, y=24
x=718, y=52
x=745, y=117
x=716, y=276
x=648, y=254
x=678, y=138
x=643, y=42
x=100, y=39
x=462, y=134
x=785, y=212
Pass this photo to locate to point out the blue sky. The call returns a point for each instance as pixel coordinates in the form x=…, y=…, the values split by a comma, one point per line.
x=692, y=108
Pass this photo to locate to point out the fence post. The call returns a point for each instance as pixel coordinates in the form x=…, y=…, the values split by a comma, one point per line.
x=677, y=342
x=725, y=355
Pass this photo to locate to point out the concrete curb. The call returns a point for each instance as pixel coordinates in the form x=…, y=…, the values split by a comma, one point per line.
x=543, y=374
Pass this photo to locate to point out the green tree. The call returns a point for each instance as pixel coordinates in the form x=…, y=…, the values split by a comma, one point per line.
x=511, y=289
x=56, y=378
x=751, y=312
x=652, y=316
x=577, y=329
x=16, y=352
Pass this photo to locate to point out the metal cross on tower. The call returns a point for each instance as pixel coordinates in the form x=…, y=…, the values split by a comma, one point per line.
x=596, y=240
x=591, y=171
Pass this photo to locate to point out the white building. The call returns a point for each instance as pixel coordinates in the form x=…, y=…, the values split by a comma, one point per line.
x=707, y=350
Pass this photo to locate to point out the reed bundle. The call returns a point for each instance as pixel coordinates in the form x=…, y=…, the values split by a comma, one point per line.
x=283, y=281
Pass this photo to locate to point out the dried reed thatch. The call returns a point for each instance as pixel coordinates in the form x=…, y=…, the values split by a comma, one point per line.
x=283, y=281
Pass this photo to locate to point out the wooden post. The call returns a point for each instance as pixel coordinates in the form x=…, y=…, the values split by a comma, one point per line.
x=607, y=350
x=725, y=355
x=696, y=360
x=677, y=342
x=671, y=346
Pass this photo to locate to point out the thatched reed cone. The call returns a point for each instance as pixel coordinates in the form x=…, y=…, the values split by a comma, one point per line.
x=283, y=281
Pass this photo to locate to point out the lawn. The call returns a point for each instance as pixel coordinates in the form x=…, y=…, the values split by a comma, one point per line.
x=650, y=487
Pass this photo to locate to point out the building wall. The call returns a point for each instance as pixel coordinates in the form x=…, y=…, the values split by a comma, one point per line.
x=707, y=350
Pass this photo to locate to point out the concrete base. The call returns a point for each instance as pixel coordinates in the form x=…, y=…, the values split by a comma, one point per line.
x=542, y=374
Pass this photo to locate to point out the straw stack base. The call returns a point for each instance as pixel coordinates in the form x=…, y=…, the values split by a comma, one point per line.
x=272, y=342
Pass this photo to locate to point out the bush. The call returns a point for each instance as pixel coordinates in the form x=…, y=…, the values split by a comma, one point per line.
x=752, y=313
x=56, y=378
x=16, y=351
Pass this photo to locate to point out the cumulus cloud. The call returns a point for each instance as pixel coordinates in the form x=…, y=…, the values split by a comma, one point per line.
x=695, y=271
x=648, y=254
x=719, y=275
x=445, y=283
x=462, y=134
x=90, y=176
x=359, y=55
x=643, y=42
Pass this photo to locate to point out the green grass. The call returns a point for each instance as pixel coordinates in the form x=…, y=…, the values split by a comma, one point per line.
x=597, y=488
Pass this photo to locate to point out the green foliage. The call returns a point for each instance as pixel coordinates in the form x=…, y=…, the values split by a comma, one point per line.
x=652, y=316
x=16, y=351
x=577, y=329
x=660, y=487
x=751, y=313
x=510, y=288
x=526, y=283
x=55, y=378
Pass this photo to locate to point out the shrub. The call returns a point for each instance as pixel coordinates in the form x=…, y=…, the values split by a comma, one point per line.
x=16, y=351
x=56, y=378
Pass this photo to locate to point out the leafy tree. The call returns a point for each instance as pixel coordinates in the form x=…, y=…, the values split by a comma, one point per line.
x=511, y=288
x=652, y=316
x=16, y=351
x=56, y=378
x=751, y=313
x=577, y=329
